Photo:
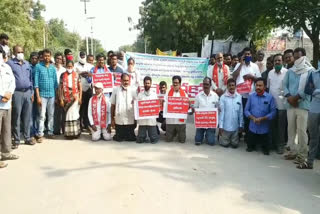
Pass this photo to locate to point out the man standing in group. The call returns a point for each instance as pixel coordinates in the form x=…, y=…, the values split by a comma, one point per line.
x=231, y=116
x=90, y=59
x=99, y=114
x=58, y=123
x=4, y=42
x=260, y=63
x=114, y=66
x=22, y=98
x=298, y=104
x=7, y=86
x=288, y=58
x=206, y=99
x=227, y=59
x=234, y=62
x=45, y=83
x=163, y=92
x=176, y=126
x=83, y=69
x=34, y=60
x=260, y=109
x=68, y=55
x=219, y=75
x=313, y=89
x=269, y=66
x=246, y=71
x=147, y=126
x=122, y=111
x=274, y=84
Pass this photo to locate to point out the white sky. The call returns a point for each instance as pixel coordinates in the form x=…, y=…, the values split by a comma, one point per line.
x=110, y=25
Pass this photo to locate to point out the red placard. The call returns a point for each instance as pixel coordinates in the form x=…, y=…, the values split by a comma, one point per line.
x=178, y=105
x=244, y=88
x=206, y=119
x=106, y=79
x=148, y=108
x=117, y=80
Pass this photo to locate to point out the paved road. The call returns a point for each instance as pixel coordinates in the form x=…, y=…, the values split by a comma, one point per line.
x=81, y=177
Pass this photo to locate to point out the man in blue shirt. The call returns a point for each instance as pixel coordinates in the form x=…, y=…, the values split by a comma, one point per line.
x=313, y=89
x=260, y=109
x=22, y=98
x=114, y=67
x=297, y=104
x=34, y=59
x=45, y=83
x=231, y=116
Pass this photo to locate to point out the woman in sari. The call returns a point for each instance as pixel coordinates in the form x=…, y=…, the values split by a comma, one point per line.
x=70, y=94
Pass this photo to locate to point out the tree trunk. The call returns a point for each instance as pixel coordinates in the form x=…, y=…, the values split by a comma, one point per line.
x=316, y=51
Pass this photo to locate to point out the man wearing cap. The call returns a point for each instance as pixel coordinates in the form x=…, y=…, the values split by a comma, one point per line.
x=99, y=114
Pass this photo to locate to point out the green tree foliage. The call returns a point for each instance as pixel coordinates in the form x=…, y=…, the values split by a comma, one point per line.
x=21, y=27
x=24, y=24
x=181, y=24
x=177, y=24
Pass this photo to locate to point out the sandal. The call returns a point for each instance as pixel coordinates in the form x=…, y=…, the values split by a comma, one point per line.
x=3, y=164
x=298, y=160
x=10, y=157
x=305, y=165
x=290, y=157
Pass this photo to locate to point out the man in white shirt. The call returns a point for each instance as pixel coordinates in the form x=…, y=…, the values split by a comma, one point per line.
x=261, y=64
x=219, y=75
x=147, y=126
x=99, y=114
x=7, y=87
x=206, y=99
x=176, y=126
x=58, y=124
x=243, y=72
x=83, y=68
x=122, y=112
x=275, y=86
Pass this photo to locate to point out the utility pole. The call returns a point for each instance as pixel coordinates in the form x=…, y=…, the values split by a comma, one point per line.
x=91, y=18
x=85, y=14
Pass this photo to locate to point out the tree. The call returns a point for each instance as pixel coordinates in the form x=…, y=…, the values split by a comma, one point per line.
x=17, y=22
x=176, y=24
x=261, y=16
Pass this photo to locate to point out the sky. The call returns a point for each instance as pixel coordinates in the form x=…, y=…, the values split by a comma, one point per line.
x=111, y=19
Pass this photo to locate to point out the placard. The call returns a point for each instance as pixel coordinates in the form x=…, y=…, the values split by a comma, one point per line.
x=146, y=109
x=106, y=79
x=244, y=88
x=206, y=118
x=176, y=107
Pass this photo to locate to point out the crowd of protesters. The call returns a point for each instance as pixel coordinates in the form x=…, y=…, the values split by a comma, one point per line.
x=51, y=94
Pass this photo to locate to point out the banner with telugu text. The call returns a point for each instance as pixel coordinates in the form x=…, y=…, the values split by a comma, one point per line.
x=162, y=68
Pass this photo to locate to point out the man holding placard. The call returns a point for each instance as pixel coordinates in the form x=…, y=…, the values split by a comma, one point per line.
x=100, y=73
x=176, y=111
x=245, y=73
x=148, y=107
x=206, y=114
